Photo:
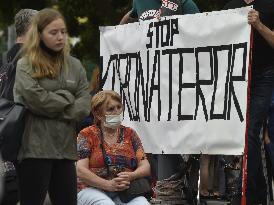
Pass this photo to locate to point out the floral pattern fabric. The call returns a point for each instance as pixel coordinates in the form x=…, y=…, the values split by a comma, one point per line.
x=124, y=155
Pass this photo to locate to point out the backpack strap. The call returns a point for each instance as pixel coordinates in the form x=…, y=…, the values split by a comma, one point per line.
x=4, y=58
x=13, y=61
x=103, y=148
x=16, y=57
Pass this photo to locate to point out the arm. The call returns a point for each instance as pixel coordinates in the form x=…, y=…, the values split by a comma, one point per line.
x=131, y=16
x=254, y=20
x=81, y=106
x=189, y=7
x=84, y=149
x=128, y=18
x=143, y=170
x=37, y=99
x=91, y=179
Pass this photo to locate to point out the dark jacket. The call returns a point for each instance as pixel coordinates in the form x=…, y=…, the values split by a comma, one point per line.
x=10, y=54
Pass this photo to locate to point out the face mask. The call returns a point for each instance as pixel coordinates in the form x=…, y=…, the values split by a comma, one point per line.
x=113, y=121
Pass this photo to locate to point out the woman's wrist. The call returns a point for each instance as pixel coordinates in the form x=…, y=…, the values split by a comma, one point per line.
x=106, y=185
x=133, y=176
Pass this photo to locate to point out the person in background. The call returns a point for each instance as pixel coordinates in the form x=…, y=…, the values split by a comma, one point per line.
x=209, y=187
x=269, y=133
x=53, y=87
x=261, y=18
x=145, y=10
x=22, y=22
x=124, y=154
x=150, y=9
x=269, y=145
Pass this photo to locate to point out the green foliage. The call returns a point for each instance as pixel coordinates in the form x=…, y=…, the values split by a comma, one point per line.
x=104, y=13
x=98, y=13
x=8, y=9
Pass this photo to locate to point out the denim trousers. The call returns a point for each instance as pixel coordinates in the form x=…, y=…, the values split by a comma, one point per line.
x=270, y=146
x=260, y=97
x=94, y=196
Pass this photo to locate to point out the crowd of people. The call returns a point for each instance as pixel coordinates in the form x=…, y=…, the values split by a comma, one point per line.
x=53, y=86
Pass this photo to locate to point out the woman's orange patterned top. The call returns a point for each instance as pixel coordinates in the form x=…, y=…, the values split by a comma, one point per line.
x=124, y=155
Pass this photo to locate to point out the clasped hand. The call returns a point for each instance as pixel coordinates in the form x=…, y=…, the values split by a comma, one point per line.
x=121, y=182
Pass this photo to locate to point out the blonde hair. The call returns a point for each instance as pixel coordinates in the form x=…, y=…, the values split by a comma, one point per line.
x=43, y=64
x=100, y=99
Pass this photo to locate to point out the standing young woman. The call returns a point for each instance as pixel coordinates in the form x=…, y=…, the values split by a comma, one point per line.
x=54, y=88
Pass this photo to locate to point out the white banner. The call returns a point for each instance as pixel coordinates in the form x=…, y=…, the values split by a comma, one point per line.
x=183, y=80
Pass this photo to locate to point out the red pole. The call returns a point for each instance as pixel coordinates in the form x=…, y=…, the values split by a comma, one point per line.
x=245, y=156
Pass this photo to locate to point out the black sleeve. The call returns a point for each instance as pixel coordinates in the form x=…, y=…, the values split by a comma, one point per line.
x=231, y=5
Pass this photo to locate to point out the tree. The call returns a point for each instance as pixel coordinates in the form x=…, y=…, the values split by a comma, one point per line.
x=84, y=18
x=9, y=8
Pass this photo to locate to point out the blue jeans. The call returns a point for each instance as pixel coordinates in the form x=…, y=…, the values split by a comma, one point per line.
x=260, y=96
x=94, y=196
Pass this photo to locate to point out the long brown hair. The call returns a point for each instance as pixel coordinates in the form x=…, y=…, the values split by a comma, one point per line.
x=43, y=64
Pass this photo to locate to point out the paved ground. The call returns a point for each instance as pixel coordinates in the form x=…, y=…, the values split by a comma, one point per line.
x=212, y=202
x=217, y=203
x=208, y=203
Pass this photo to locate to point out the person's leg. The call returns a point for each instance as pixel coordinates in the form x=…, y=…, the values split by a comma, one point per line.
x=93, y=196
x=193, y=173
x=211, y=175
x=222, y=177
x=63, y=183
x=34, y=176
x=270, y=149
x=269, y=146
x=269, y=134
x=216, y=176
x=9, y=192
x=271, y=119
x=259, y=105
x=136, y=201
x=204, y=174
x=262, y=192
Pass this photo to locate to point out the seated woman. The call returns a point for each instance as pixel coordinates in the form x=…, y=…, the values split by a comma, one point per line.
x=124, y=153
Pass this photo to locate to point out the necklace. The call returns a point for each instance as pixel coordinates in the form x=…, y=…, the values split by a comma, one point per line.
x=111, y=138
